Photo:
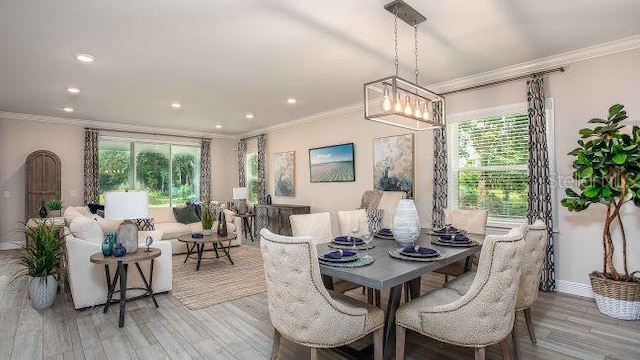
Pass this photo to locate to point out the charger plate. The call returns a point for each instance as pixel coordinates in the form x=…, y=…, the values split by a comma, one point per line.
x=362, y=261
x=396, y=253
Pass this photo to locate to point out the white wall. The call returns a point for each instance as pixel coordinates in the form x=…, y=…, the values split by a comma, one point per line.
x=585, y=90
x=19, y=138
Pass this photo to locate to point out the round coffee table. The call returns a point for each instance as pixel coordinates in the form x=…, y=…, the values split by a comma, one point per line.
x=218, y=243
x=122, y=268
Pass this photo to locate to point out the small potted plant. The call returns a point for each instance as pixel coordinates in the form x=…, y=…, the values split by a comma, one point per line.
x=207, y=219
x=55, y=207
x=40, y=259
x=607, y=168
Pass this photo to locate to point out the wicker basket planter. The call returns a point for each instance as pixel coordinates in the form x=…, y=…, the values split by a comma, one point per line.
x=617, y=299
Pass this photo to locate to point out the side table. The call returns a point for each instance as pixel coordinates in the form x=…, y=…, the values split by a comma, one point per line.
x=248, y=220
x=58, y=225
x=122, y=268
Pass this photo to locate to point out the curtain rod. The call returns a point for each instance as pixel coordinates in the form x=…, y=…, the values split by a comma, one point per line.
x=251, y=137
x=560, y=69
x=150, y=133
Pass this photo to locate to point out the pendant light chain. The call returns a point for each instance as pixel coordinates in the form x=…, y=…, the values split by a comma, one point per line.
x=415, y=34
x=395, y=33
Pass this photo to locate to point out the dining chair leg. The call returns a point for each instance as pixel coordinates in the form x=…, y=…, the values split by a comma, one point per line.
x=376, y=294
x=479, y=353
x=514, y=337
x=276, y=344
x=378, y=340
x=314, y=354
x=529, y=320
x=400, y=334
x=407, y=297
x=504, y=347
x=370, y=296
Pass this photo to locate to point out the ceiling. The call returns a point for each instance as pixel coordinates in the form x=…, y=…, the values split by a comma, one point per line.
x=223, y=59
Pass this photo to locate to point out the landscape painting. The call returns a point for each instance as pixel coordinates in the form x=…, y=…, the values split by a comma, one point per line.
x=285, y=171
x=332, y=163
x=393, y=163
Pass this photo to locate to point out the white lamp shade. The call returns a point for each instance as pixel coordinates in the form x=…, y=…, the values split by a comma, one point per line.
x=240, y=193
x=122, y=205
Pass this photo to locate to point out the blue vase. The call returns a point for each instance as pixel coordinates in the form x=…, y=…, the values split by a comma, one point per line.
x=119, y=250
x=107, y=247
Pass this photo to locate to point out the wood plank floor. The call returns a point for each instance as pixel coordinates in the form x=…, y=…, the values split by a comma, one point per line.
x=566, y=327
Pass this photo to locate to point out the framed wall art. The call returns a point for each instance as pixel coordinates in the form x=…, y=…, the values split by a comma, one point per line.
x=334, y=163
x=393, y=163
x=284, y=164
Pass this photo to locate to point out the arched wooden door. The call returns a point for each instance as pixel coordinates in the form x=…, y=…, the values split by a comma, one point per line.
x=42, y=177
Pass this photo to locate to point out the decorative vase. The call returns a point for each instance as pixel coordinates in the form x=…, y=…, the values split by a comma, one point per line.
x=222, y=225
x=406, y=222
x=268, y=199
x=207, y=232
x=42, y=211
x=107, y=246
x=119, y=250
x=42, y=292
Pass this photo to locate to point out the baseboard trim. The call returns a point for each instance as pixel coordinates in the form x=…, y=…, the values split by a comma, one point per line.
x=574, y=288
x=11, y=245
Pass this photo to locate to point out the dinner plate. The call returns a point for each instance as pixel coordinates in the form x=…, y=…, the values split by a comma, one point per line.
x=435, y=253
x=343, y=259
x=347, y=241
x=453, y=241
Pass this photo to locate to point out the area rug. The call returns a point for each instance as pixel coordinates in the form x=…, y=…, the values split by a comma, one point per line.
x=218, y=281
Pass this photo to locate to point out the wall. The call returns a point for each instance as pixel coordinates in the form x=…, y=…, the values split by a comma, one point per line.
x=585, y=90
x=19, y=138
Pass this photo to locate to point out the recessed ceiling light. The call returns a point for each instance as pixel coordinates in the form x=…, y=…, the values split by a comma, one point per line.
x=176, y=105
x=218, y=126
x=73, y=90
x=68, y=109
x=291, y=100
x=86, y=58
x=249, y=116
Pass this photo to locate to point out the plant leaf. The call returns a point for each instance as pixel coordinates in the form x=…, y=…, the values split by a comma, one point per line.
x=591, y=191
x=619, y=159
x=586, y=172
x=597, y=121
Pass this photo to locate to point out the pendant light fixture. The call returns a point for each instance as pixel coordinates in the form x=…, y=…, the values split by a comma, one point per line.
x=398, y=102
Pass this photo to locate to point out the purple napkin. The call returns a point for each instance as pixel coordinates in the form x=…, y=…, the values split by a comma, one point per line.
x=385, y=231
x=348, y=239
x=461, y=238
x=446, y=229
x=338, y=255
x=419, y=250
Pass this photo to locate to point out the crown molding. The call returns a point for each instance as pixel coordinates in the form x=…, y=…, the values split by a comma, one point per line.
x=107, y=125
x=307, y=119
x=547, y=63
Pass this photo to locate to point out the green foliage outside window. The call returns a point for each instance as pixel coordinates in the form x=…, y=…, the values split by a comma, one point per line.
x=252, y=176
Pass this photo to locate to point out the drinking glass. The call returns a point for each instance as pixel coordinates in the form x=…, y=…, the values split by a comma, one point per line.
x=367, y=238
x=354, y=227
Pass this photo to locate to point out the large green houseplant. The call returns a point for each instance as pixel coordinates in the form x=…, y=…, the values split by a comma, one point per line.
x=40, y=260
x=607, y=168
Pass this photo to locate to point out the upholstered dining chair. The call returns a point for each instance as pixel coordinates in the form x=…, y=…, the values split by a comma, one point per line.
x=301, y=309
x=482, y=316
x=535, y=245
x=318, y=227
x=344, y=221
x=472, y=221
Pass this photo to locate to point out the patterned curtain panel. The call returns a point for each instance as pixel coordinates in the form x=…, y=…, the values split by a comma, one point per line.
x=539, y=205
x=242, y=160
x=262, y=168
x=91, y=166
x=439, y=169
x=205, y=171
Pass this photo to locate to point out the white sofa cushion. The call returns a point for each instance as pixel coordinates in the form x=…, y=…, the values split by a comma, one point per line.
x=173, y=230
x=162, y=215
x=86, y=229
x=73, y=212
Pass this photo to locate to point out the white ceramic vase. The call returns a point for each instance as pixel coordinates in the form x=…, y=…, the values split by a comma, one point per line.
x=406, y=223
x=207, y=232
x=42, y=292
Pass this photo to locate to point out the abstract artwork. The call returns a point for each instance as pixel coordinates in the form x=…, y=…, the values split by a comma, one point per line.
x=332, y=163
x=393, y=163
x=285, y=173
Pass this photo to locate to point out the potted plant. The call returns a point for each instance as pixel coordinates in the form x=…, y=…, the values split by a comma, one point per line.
x=607, y=168
x=40, y=259
x=207, y=219
x=55, y=207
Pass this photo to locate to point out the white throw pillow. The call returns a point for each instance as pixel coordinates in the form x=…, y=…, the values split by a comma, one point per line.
x=87, y=229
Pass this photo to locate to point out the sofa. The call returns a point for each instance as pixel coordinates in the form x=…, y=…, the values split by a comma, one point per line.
x=87, y=281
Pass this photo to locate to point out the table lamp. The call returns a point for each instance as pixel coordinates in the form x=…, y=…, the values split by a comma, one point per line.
x=240, y=194
x=127, y=205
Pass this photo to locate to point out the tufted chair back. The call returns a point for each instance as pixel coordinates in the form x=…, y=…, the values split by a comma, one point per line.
x=535, y=246
x=317, y=225
x=473, y=221
x=485, y=314
x=300, y=308
x=344, y=221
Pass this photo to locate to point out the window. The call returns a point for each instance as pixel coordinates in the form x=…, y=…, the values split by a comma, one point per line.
x=169, y=172
x=488, y=159
x=252, y=176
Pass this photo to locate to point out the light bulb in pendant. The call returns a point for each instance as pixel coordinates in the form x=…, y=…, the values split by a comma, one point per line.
x=407, y=106
x=425, y=113
x=417, y=113
x=398, y=105
x=386, y=103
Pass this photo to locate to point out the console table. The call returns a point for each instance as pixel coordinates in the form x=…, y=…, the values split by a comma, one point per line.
x=275, y=217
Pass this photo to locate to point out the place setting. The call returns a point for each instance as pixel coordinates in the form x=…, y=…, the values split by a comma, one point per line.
x=353, y=242
x=345, y=258
x=416, y=253
x=384, y=233
x=450, y=236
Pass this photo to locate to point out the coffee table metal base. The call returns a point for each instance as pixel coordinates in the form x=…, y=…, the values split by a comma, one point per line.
x=199, y=251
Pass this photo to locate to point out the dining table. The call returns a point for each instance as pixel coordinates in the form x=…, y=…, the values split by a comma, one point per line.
x=388, y=273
